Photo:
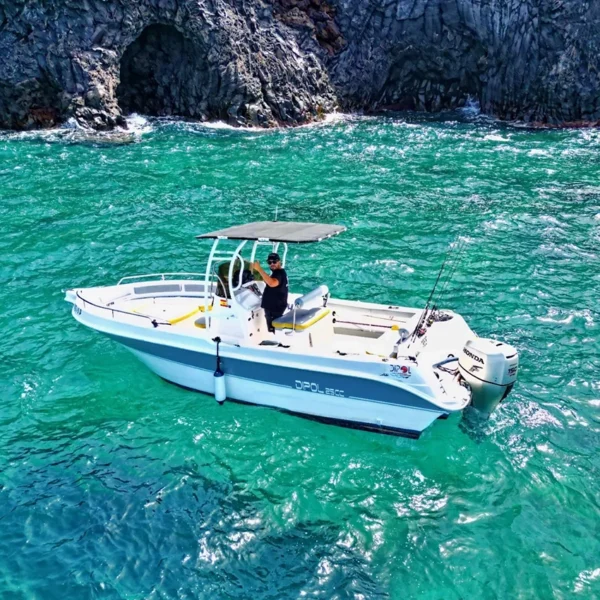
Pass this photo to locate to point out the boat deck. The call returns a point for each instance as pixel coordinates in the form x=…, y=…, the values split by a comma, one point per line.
x=358, y=327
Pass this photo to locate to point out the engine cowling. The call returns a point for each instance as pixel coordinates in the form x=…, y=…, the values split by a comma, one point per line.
x=490, y=368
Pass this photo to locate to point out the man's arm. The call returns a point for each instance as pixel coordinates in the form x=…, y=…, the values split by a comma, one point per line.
x=270, y=281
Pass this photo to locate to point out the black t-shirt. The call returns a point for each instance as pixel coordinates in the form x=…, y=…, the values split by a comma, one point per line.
x=275, y=298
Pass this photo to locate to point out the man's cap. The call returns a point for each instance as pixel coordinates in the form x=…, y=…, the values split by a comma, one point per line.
x=273, y=256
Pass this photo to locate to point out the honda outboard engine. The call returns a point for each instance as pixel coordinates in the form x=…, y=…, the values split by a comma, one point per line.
x=490, y=368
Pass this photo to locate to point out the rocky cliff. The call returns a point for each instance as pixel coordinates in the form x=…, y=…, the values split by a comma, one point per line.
x=268, y=62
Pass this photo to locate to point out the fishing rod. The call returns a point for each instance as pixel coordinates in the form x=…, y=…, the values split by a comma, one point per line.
x=458, y=254
x=422, y=319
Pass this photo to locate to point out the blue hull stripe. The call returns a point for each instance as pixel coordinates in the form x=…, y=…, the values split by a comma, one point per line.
x=347, y=386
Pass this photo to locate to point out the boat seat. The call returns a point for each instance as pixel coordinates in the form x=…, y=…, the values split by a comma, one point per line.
x=152, y=310
x=305, y=318
x=185, y=316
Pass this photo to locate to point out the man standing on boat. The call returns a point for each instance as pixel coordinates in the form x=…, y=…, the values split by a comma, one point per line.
x=275, y=296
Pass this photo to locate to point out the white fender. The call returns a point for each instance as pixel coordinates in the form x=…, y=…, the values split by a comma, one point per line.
x=220, y=391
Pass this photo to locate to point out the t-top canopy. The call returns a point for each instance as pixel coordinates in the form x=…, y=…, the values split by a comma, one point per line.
x=277, y=231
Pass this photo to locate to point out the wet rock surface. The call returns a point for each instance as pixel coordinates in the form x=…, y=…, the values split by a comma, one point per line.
x=276, y=62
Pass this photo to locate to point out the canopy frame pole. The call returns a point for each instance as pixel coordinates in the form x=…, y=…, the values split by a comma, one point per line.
x=254, y=248
x=207, y=284
x=236, y=255
x=285, y=251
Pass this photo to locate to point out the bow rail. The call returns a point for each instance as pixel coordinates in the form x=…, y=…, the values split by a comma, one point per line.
x=163, y=276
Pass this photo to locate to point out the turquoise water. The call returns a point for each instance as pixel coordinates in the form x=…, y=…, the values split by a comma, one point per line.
x=114, y=484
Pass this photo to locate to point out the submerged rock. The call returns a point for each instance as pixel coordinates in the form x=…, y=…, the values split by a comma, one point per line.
x=265, y=63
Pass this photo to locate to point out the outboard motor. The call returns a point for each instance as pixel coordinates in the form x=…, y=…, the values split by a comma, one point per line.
x=490, y=368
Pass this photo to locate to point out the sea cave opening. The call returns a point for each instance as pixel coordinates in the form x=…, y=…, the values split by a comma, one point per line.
x=435, y=79
x=158, y=74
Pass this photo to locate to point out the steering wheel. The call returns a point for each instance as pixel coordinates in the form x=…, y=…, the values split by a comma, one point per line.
x=253, y=287
x=247, y=276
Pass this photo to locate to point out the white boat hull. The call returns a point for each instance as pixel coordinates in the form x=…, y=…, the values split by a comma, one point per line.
x=387, y=418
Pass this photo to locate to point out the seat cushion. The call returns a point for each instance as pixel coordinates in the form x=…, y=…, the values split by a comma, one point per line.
x=305, y=318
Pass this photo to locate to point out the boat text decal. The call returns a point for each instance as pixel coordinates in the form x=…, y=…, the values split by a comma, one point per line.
x=473, y=356
x=310, y=386
x=400, y=371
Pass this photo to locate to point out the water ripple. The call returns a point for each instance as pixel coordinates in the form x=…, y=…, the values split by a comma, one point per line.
x=117, y=485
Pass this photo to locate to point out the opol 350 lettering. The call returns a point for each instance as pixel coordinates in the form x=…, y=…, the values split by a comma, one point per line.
x=310, y=386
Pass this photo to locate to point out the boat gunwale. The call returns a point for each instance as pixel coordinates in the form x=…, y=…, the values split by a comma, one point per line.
x=176, y=339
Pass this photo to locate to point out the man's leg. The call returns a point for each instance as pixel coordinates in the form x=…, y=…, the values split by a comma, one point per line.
x=275, y=314
x=269, y=317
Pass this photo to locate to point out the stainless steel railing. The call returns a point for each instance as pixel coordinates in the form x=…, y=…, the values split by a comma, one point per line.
x=162, y=276
x=155, y=322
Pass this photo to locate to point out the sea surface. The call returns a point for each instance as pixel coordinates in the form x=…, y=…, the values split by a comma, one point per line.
x=117, y=485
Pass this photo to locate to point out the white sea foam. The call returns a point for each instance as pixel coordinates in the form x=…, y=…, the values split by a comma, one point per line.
x=336, y=117
x=138, y=124
x=388, y=262
x=391, y=263
x=552, y=317
x=464, y=519
x=71, y=124
x=498, y=223
x=492, y=137
x=471, y=108
x=506, y=148
x=329, y=119
x=45, y=134
x=590, y=190
x=566, y=321
x=462, y=239
x=550, y=219
x=538, y=152
x=222, y=126
x=585, y=578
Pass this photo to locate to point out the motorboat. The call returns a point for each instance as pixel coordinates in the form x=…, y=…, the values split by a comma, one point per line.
x=385, y=368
